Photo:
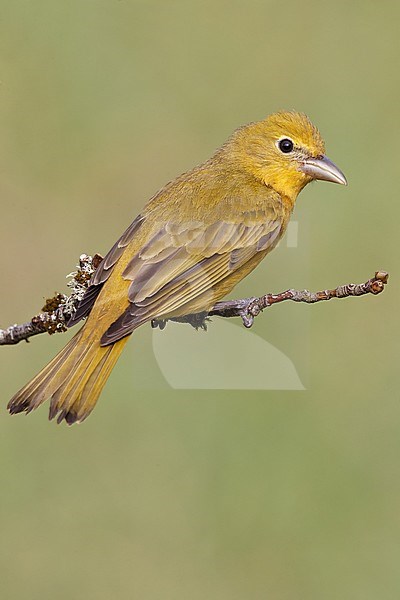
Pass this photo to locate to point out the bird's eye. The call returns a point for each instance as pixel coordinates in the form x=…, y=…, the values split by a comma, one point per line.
x=285, y=145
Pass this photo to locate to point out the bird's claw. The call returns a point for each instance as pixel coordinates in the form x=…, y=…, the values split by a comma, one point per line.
x=160, y=323
x=196, y=320
x=250, y=311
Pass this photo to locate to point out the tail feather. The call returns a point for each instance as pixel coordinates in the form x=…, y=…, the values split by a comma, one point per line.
x=73, y=380
x=63, y=398
x=95, y=383
x=67, y=403
x=35, y=391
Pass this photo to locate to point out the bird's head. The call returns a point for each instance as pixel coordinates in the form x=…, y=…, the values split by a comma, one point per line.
x=285, y=151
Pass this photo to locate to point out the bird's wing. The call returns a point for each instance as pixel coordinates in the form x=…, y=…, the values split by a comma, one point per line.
x=185, y=260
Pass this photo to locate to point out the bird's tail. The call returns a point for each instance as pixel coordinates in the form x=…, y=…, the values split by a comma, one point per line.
x=73, y=380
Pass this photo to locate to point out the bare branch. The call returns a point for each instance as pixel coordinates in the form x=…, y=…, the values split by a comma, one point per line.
x=248, y=308
x=251, y=307
x=58, y=310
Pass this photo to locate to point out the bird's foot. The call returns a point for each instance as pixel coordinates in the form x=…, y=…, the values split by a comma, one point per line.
x=247, y=309
x=196, y=320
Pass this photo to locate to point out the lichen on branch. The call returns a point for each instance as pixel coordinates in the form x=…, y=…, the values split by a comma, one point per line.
x=58, y=309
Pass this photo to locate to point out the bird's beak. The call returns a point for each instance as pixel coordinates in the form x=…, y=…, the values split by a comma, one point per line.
x=323, y=168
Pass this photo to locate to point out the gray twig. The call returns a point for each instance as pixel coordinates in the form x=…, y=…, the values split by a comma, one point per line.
x=58, y=310
x=248, y=308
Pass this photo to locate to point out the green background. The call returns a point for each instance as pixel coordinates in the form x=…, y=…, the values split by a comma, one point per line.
x=193, y=494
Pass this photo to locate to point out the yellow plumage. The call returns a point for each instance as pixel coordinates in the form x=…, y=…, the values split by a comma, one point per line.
x=194, y=240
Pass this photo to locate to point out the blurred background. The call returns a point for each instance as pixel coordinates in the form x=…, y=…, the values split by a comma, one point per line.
x=202, y=493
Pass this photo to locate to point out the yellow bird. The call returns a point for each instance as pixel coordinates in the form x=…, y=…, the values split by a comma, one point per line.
x=194, y=240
